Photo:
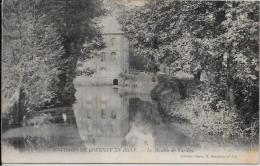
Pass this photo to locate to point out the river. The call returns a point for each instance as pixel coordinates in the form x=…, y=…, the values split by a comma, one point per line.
x=102, y=116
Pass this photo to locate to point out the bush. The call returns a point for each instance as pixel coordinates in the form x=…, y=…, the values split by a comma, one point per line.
x=41, y=119
x=221, y=125
x=125, y=76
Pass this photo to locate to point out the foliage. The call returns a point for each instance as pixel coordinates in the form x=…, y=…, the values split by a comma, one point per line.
x=42, y=42
x=219, y=125
x=137, y=62
x=42, y=119
x=125, y=76
x=180, y=75
x=220, y=38
x=86, y=71
x=217, y=38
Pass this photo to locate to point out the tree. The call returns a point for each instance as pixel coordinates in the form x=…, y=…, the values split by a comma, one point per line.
x=42, y=43
x=217, y=37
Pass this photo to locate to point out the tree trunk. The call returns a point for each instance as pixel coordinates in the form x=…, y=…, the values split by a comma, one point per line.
x=231, y=97
x=183, y=89
x=230, y=82
x=19, y=108
x=66, y=94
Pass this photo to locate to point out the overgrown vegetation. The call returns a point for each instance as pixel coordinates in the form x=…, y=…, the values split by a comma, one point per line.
x=217, y=43
x=42, y=42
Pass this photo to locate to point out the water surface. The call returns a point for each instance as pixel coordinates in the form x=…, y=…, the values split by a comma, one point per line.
x=101, y=117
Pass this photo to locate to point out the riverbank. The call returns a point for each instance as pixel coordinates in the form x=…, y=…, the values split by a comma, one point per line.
x=195, y=116
x=136, y=84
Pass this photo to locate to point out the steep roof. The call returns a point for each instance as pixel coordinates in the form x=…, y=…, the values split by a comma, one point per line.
x=109, y=24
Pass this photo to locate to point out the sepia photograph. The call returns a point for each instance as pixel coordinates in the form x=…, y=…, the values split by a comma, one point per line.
x=129, y=81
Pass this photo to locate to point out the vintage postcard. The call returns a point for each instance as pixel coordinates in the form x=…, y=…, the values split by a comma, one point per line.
x=130, y=81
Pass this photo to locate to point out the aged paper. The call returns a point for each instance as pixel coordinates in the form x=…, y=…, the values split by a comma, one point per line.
x=130, y=81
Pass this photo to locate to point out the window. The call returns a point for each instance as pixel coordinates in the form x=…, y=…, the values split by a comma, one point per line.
x=113, y=56
x=113, y=115
x=103, y=54
x=113, y=40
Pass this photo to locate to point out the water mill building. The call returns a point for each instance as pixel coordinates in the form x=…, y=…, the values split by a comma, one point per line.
x=113, y=59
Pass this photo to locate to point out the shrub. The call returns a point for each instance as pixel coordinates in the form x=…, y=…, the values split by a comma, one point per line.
x=125, y=76
x=221, y=125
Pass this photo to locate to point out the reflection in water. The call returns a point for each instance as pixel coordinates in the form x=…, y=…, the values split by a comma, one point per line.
x=101, y=116
x=61, y=132
x=149, y=130
x=111, y=118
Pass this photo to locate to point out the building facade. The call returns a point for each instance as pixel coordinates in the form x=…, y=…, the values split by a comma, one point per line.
x=101, y=113
x=112, y=60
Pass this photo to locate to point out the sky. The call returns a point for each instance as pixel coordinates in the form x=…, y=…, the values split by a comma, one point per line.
x=131, y=2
